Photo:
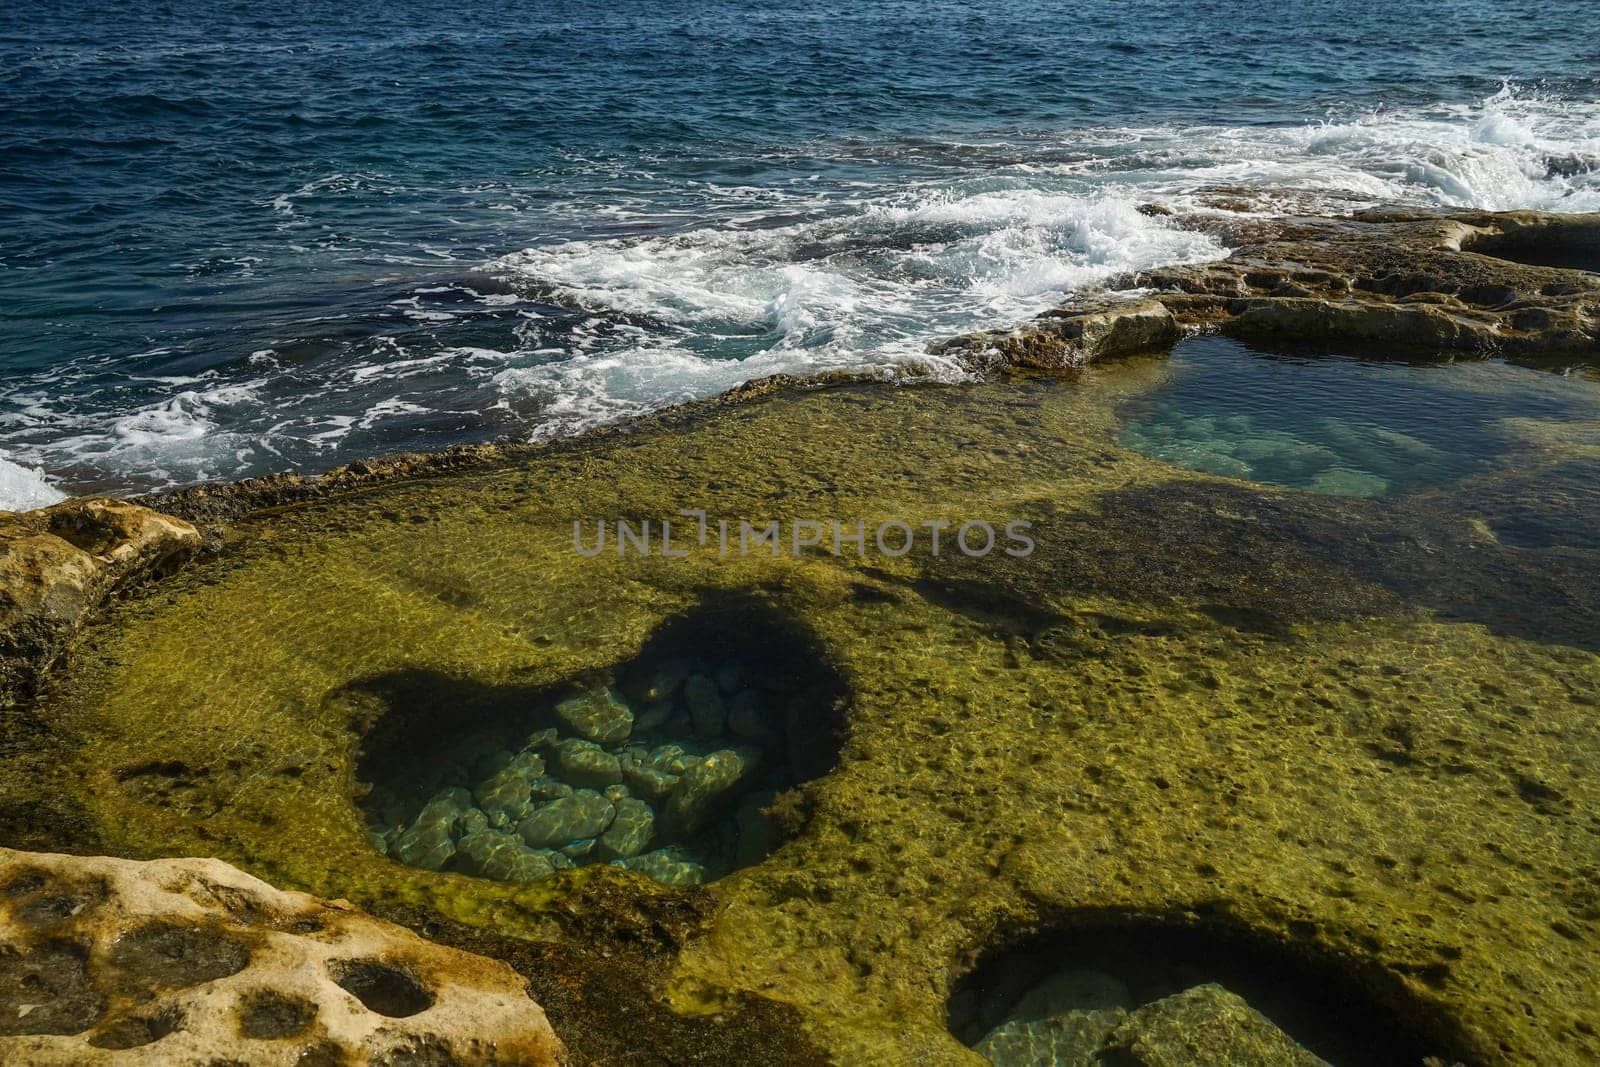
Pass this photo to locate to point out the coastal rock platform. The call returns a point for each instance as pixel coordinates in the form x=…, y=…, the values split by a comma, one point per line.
x=1344, y=739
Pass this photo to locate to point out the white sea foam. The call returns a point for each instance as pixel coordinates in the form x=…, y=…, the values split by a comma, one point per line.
x=23, y=488
x=700, y=288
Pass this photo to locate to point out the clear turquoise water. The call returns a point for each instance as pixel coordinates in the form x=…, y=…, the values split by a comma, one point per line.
x=239, y=238
x=1331, y=424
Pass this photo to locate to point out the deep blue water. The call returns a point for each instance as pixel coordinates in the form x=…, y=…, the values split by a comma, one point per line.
x=237, y=238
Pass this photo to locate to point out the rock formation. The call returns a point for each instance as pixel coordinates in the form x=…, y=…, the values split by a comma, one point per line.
x=191, y=961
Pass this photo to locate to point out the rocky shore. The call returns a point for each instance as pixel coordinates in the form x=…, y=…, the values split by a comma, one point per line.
x=1344, y=739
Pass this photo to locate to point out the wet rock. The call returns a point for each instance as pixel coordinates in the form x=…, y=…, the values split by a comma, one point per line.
x=578, y=849
x=706, y=712
x=659, y=682
x=747, y=718
x=506, y=793
x=757, y=835
x=1201, y=1026
x=673, y=759
x=1096, y=329
x=652, y=717
x=429, y=841
x=707, y=787
x=648, y=781
x=585, y=763
x=584, y=814
x=598, y=715
x=630, y=831
x=1341, y=481
x=190, y=962
x=665, y=866
x=1071, y=1040
x=58, y=564
x=543, y=739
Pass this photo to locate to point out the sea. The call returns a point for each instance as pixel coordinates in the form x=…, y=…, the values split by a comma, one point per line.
x=240, y=238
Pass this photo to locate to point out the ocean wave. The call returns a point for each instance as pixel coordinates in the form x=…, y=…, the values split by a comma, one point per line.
x=23, y=488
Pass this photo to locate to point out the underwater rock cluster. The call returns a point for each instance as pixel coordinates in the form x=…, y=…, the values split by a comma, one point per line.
x=666, y=773
x=1345, y=459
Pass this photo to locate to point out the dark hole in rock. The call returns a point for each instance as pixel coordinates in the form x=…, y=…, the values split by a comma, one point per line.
x=268, y=1014
x=678, y=763
x=137, y=1031
x=383, y=988
x=1089, y=993
x=1573, y=244
x=424, y=1052
x=163, y=955
x=45, y=989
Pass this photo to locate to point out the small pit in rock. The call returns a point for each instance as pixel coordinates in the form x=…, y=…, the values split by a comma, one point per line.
x=676, y=763
x=383, y=988
x=1124, y=992
x=268, y=1015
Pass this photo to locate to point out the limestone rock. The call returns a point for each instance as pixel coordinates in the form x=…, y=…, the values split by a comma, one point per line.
x=584, y=814
x=598, y=715
x=664, y=866
x=630, y=831
x=1203, y=1026
x=430, y=839
x=59, y=563
x=1101, y=329
x=586, y=763
x=190, y=961
x=707, y=786
x=1070, y=1040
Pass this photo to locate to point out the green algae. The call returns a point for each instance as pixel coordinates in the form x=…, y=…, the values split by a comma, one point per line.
x=1358, y=728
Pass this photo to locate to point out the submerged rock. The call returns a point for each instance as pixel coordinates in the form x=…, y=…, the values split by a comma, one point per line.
x=706, y=712
x=58, y=563
x=584, y=814
x=630, y=831
x=707, y=786
x=666, y=867
x=648, y=781
x=429, y=841
x=1201, y=1026
x=598, y=715
x=585, y=763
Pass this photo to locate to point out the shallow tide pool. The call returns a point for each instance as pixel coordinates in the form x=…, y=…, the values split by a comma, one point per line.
x=1330, y=423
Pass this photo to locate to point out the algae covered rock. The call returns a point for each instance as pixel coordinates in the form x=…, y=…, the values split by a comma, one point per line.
x=192, y=962
x=598, y=715
x=666, y=866
x=1203, y=1026
x=583, y=814
x=59, y=563
x=584, y=763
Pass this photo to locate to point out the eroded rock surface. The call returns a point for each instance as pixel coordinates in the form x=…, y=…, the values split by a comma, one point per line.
x=58, y=563
x=1518, y=284
x=191, y=961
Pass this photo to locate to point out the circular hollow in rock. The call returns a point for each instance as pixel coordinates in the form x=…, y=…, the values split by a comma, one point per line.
x=268, y=1015
x=680, y=763
x=1073, y=984
x=382, y=987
